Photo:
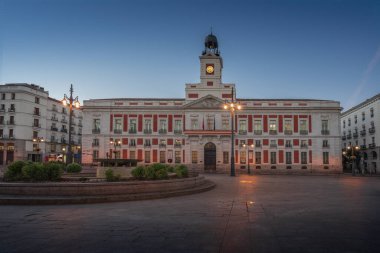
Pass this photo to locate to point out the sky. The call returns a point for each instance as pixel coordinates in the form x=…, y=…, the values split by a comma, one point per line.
x=150, y=48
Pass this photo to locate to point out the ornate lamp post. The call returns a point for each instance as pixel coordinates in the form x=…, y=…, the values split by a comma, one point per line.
x=38, y=140
x=70, y=101
x=248, y=146
x=115, y=144
x=232, y=106
x=352, y=153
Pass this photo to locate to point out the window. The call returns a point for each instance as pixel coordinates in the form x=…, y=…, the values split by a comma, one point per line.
x=194, y=157
x=273, y=157
x=178, y=125
x=363, y=116
x=162, y=157
x=35, y=134
x=132, y=126
x=177, y=156
x=373, y=140
x=132, y=154
x=258, y=157
x=243, y=157
x=273, y=143
x=177, y=142
x=3, y=96
x=356, y=142
x=11, y=120
x=303, y=157
x=148, y=126
x=36, y=111
x=303, y=143
x=1, y=133
x=95, y=154
x=12, y=109
x=288, y=143
x=11, y=133
x=53, y=147
x=257, y=143
x=325, y=157
x=118, y=126
x=288, y=126
x=132, y=142
x=257, y=127
x=1, y=120
x=325, y=143
x=356, y=119
x=226, y=157
x=54, y=108
x=162, y=143
x=225, y=124
x=95, y=142
x=13, y=96
x=344, y=124
x=147, y=142
x=194, y=124
x=147, y=156
x=303, y=125
x=2, y=108
x=288, y=157
x=36, y=122
x=364, y=142
x=272, y=125
x=37, y=100
x=349, y=122
x=210, y=123
x=371, y=112
x=162, y=125
x=242, y=126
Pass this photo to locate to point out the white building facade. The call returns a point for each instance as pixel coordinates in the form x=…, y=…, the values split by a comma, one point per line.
x=288, y=135
x=360, y=126
x=34, y=126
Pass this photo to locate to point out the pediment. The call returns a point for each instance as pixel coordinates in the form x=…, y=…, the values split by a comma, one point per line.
x=207, y=102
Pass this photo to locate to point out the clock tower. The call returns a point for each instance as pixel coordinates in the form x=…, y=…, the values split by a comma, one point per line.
x=211, y=65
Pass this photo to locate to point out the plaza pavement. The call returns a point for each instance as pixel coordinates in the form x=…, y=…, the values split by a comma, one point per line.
x=265, y=213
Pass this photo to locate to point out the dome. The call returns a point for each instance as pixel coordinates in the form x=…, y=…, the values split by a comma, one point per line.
x=211, y=41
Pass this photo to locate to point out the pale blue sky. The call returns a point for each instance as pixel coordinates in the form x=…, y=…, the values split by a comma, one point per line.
x=271, y=49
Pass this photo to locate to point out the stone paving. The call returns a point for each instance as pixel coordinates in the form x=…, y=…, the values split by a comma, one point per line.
x=265, y=213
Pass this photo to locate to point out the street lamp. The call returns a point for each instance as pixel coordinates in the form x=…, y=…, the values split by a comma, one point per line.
x=232, y=106
x=115, y=144
x=70, y=101
x=38, y=140
x=351, y=154
x=248, y=146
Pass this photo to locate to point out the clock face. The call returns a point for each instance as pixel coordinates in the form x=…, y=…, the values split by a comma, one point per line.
x=210, y=69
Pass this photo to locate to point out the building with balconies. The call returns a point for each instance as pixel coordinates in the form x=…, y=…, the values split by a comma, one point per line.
x=289, y=135
x=29, y=124
x=364, y=118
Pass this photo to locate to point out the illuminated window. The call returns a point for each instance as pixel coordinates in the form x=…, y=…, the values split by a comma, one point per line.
x=194, y=157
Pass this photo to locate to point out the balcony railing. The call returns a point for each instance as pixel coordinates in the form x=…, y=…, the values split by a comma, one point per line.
x=95, y=144
x=147, y=131
x=371, y=130
x=273, y=132
x=64, y=130
x=349, y=136
x=96, y=131
x=162, y=131
x=54, y=118
x=177, y=131
x=6, y=137
x=363, y=146
x=363, y=132
x=288, y=132
x=273, y=145
x=177, y=145
x=325, y=146
x=54, y=128
x=117, y=131
x=372, y=145
x=132, y=131
x=10, y=122
x=147, y=145
x=304, y=132
x=288, y=145
x=243, y=132
x=37, y=113
x=132, y=144
x=258, y=132
x=325, y=132
x=303, y=145
x=2, y=110
x=53, y=139
x=64, y=121
x=344, y=138
x=63, y=141
x=37, y=125
x=54, y=109
x=11, y=109
x=258, y=145
x=162, y=145
x=355, y=135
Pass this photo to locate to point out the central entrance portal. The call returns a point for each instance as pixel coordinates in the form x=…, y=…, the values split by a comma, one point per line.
x=210, y=156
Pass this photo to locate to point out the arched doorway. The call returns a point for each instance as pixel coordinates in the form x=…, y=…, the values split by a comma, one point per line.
x=210, y=156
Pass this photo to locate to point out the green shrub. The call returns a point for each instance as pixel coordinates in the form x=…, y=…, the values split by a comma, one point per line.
x=161, y=174
x=138, y=172
x=35, y=172
x=14, y=171
x=181, y=170
x=149, y=173
x=170, y=169
x=74, y=168
x=110, y=177
x=54, y=170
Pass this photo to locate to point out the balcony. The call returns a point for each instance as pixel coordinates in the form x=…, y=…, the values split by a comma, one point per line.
x=147, y=131
x=325, y=146
x=288, y=132
x=371, y=130
x=363, y=132
x=54, y=118
x=304, y=132
x=242, y=132
x=2, y=110
x=363, y=147
x=11, y=109
x=36, y=113
x=258, y=132
x=372, y=145
x=95, y=144
x=147, y=145
x=288, y=145
x=349, y=136
x=7, y=137
x=54, y=128
x=162, y=131
x=52, y=139
x=117, y=131
x=64, y=130
x=10, y=122
x=258, y=145
x=96, y=131
x=303, y=145
x=79, y=133
x=325, y=132
x=272, y=132
x=162, y=145
x=177, y=131
x=177, y=145
x=344, y=138
x=63, y=141
x=64, y=121
x=132, y=144
x=355, y=135
x=132, y=131
x=36, y=125
x=273, y=145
